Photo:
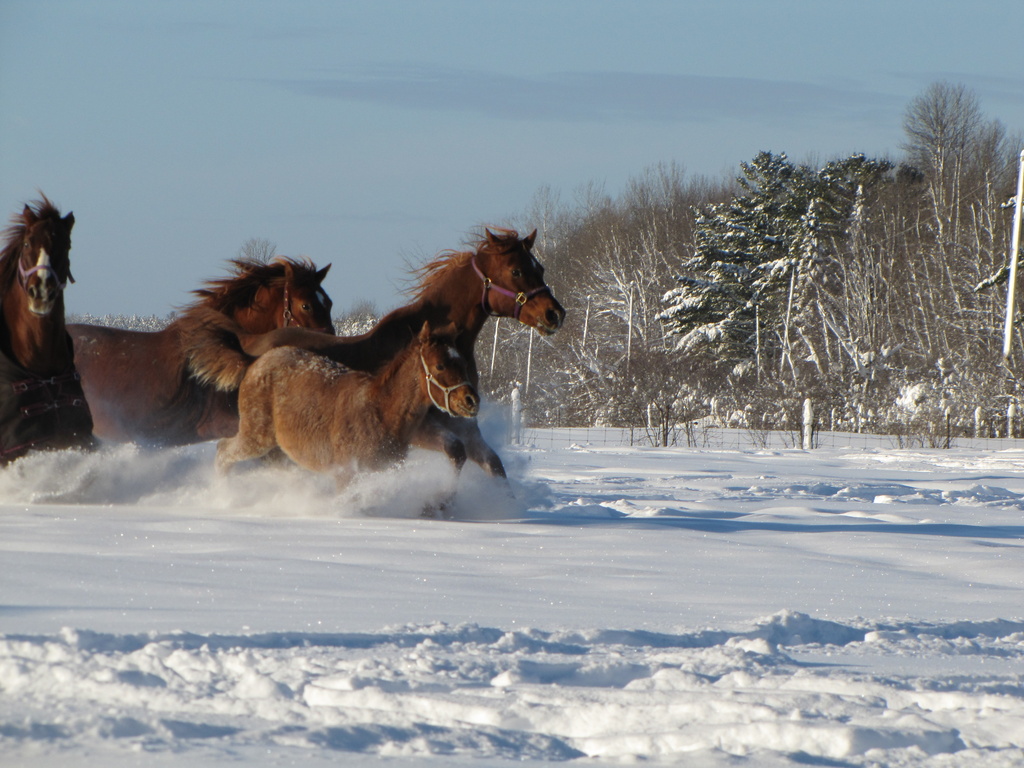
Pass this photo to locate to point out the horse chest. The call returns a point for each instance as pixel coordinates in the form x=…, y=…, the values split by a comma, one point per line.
x=35, y=411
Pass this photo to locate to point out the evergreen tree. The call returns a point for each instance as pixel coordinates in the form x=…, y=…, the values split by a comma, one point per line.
x=740, y=247
x=760, y=258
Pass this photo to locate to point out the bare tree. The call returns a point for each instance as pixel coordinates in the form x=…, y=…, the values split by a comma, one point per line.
x=258, y=249
x=940, y=125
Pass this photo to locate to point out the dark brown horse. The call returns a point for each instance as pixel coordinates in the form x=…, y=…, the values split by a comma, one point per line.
x=329, y=418
x=499, y=277
x=41, y=399
x=147, y=387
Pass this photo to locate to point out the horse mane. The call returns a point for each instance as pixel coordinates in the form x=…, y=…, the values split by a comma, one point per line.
x=15, y=233
x=501, y=240
x=238, y=290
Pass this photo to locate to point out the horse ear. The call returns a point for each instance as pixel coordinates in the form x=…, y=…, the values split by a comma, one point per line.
x=28, y=216
x=528, y=240
x=322, y=273
x=491, y=237
x=289, y=272
x=70, y=220
x=424, y=336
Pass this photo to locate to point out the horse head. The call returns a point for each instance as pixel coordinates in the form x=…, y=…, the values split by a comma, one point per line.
x=513, y=281
x=304, y=303
x=446, y=373
x=263, y=296
x=44, y=260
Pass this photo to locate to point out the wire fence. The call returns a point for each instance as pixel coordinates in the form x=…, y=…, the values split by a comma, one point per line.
x=717, y=438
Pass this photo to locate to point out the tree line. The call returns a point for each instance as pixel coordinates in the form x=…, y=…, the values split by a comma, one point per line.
x=873, y=286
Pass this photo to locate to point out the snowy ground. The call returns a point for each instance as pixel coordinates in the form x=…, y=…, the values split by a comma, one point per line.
x=699, y=607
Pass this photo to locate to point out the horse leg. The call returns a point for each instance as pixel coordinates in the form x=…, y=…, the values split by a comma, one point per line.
x=251, y=442
x=479, y=452
x=435, y=437
x=343, y=476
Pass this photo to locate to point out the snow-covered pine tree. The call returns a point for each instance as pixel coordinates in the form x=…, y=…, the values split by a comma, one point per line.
x=740, y=245
x=760, y=259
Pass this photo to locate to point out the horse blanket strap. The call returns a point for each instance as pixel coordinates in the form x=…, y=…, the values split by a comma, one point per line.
x=34, y=409
x=521, y=298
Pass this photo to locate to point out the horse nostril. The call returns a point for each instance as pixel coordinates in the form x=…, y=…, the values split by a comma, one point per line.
x=554, y=319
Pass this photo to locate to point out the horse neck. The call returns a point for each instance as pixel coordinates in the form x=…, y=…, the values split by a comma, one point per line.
x=400, y=395
x=37, y=344
x=264, y=314
x=456, y=297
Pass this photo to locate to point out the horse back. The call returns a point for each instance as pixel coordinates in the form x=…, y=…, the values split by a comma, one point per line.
x=136, y=384
x=368, y=351
x=321, y=413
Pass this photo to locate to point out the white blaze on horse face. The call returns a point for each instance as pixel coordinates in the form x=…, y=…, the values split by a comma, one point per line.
x=43, y=262
x=455, y=356
x=41, y=296
x=323, y=298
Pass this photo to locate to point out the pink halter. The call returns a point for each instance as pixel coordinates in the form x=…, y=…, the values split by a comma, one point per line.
x=521, y=298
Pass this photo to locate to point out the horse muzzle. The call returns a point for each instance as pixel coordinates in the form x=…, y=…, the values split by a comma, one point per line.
x=42, y=296
x=466, y=404
x=550, y=322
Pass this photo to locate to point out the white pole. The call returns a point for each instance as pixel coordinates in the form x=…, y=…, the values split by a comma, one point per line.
x=808, y=418
x=1014, y=251
x=629, y=333
x=586, y=324
x=529, y=363
x=494, y=346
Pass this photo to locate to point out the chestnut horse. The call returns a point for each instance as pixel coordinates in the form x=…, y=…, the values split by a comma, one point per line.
x=147, y=387
x=329, y=418
x=41, y=399
x=499, y=277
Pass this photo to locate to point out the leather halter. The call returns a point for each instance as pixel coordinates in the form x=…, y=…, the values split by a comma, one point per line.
x=288, y=317
x=446, y=390
x=520, y=298
x=25, y=274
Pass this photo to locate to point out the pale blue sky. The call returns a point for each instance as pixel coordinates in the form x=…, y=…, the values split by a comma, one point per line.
x=370, y=134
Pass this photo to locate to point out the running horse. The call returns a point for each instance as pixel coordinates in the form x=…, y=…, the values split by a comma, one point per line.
x=500, y=277
x=146, y=387
x=41, y=400
x=329, y=418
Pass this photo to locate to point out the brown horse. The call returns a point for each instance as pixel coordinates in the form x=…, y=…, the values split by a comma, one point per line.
x=329, y=418
x=148, y=387
x=41, y=399
x=499, y=277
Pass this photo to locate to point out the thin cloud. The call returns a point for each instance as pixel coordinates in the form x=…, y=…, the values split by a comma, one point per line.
x=586, y=96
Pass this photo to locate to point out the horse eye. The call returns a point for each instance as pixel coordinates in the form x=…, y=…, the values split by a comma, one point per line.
x=306, y=307
x=440, y=366
x=517, y=273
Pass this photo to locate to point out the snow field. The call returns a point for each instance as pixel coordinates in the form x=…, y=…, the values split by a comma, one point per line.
x=655, y=606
